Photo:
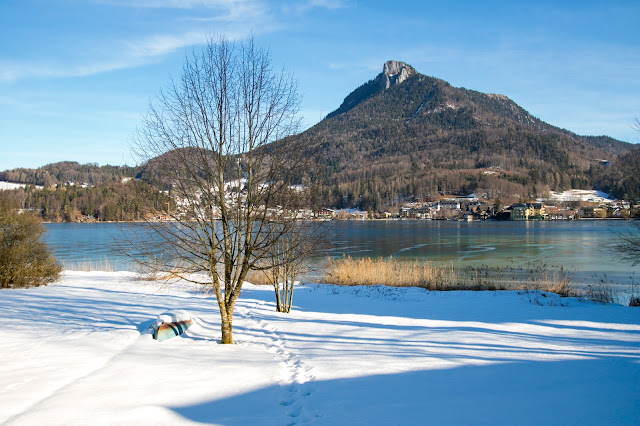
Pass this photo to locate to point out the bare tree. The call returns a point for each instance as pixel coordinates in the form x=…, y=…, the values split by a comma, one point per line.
x=217, y=141
x=289, y=258
x=629, y=244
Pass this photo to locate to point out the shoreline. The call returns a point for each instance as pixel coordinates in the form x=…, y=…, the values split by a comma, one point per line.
x=468, y=279
x=589, y=219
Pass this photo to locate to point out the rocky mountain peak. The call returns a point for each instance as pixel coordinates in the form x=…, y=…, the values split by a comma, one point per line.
x=395, y=72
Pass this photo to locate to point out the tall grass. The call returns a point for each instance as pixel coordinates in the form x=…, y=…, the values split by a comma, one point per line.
x=144, y=272
x=634, y=297
x=603, y=291
x=257, y=277
x=102, y=265
x=391, y=272
x=557, y=281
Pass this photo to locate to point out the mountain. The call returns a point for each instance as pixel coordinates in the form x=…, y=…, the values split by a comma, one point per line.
x=404, y=135
x=621, y=178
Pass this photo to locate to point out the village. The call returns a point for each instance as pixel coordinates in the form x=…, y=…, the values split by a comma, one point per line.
x=568, y=205
x=571, y=205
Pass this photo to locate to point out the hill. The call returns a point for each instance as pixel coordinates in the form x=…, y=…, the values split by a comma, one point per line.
x=67, y=172
x=72, y=192
x=404, y=135
x=621, y=179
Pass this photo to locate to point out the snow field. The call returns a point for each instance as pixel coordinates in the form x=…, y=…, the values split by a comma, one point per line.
x=78, y=352
x=7, y=186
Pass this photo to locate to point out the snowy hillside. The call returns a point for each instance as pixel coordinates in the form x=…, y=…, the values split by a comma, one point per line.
x=581, y=195
x=10, y=185
x=77, y=352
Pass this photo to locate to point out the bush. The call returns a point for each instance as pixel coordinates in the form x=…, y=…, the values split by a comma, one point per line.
x=25, y=260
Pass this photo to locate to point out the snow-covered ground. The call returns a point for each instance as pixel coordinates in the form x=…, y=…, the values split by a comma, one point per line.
x=77, y=353
x=10, y=185
x=589, y=195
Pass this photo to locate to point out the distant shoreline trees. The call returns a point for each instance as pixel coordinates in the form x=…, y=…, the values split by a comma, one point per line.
x=107, y=202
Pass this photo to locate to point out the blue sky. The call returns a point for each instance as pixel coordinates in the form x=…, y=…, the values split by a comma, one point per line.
x=75, y=75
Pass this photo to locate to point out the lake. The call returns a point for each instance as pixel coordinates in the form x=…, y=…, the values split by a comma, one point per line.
x=586, y=246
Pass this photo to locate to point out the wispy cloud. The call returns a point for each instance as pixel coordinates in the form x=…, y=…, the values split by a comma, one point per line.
x=14, y=71
x=163, y=44
x=367, y=64
x=216, y=4
x=325, y=4
x=125, y=54
x=177, y=4
x=231, y=11
x=197, y=20
x=301, y=7
x=235, y=19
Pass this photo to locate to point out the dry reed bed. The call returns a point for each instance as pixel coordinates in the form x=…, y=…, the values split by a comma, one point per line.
x=102, y=265
x=391, y=272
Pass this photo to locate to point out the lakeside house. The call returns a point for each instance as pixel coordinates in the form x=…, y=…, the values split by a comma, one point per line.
x=352, y=214
x=415, y=211
x=538, y=210
x=521, y=211
x=325, y=213
x=593, y=212
x=342, y=214
x=452, y=204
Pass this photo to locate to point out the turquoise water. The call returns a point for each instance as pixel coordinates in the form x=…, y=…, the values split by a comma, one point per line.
x=76, y=243
x=584, y=246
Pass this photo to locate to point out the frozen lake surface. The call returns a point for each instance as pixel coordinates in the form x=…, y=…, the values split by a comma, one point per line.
x=586, y=246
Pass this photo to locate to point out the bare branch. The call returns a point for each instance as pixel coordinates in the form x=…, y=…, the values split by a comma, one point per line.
x=217, y=140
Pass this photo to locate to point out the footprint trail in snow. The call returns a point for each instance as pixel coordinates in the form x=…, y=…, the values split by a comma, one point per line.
x=295, y=378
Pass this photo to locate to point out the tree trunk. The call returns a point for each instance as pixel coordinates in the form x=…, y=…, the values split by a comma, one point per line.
x=278, y=300
x=290, y=301
x=226, y=333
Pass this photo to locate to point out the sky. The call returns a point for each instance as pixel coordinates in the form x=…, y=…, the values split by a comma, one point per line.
x=76, y=75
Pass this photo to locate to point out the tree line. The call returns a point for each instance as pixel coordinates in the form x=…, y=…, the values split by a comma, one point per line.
x=69, y=171
x=110, y=201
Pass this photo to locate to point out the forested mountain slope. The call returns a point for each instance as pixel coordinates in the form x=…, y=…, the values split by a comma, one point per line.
x=404, y=135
